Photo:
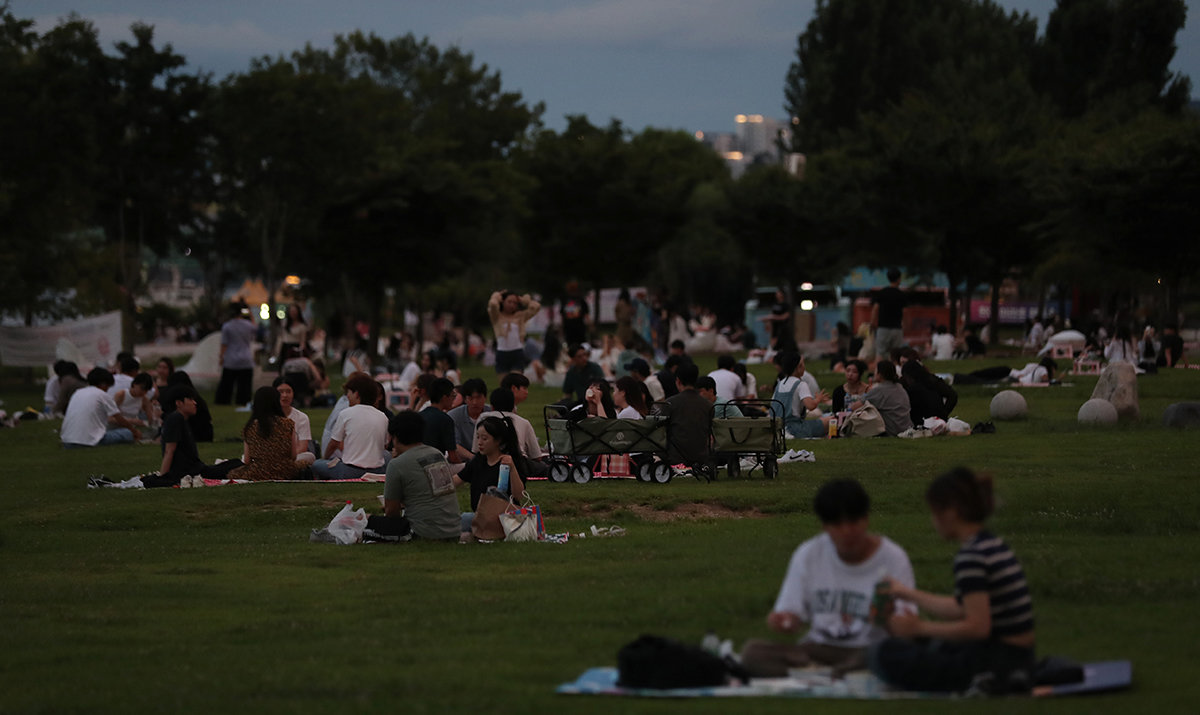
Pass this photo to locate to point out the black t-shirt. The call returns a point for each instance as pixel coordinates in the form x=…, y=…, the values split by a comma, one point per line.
x=690, y=427
x=574, y=312
x=439, y=429
x=186, y=459
x=480, y=475
x=201, y=422
x=1174, y=344
x=666, y=378
x=891, y=307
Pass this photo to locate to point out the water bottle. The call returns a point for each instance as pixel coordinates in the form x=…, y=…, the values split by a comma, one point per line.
x=503, y=485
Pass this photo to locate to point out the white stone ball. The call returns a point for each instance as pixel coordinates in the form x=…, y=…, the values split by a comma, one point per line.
x=1009, y=405
x=1098, y=412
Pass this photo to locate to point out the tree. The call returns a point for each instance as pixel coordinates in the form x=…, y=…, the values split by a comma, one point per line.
x=1112, y=54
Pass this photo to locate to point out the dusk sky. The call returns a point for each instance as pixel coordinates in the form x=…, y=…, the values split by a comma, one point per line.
x=686, y=64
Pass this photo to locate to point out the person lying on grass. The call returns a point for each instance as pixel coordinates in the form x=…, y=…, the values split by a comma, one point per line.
x=983, y=638
x=496, y=444
x=830, y=583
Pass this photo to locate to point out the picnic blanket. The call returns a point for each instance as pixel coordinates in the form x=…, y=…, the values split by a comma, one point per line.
x=368, y=477
x=817, y=683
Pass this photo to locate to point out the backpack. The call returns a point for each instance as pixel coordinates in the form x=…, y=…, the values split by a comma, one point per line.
x=662, y=663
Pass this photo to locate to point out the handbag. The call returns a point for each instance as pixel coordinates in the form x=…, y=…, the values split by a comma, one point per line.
x=518, y=526
x=864, y=422
x=486, y=525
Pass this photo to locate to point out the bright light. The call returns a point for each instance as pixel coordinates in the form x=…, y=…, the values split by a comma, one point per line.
x=755, y=119
x=264, y=312
x=292, y=280
x=740, y=119
x=733, y=155
x=806, y=286
x=806, y=305
x=281, y=314
x=699, y=136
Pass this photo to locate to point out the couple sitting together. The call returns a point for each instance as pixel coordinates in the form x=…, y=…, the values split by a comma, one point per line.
x=854, y=591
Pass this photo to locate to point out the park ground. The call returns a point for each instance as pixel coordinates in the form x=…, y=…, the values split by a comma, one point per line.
x=210, y=600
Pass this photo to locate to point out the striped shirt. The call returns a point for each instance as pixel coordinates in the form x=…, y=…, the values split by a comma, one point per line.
x=985, y=563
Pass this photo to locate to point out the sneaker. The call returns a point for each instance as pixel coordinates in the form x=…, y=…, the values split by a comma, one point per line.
x=747, y=464
x=198, y=481
x=96, y=482
x=682, y=470
x=805, y=456
x=185, y=482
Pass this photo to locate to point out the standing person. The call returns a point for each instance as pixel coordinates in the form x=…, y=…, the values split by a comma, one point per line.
x=829, y=587
x=887, y=316
x=237, y=358
x=271, y=448
x=294, y=334
x=360, y=433
x=576, y=318
x=418, y=496
x=983, y=635
x=783, y=336
x=509, y=313
x=93, y=418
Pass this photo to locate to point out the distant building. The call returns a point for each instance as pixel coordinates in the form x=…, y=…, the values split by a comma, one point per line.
x=754, y=140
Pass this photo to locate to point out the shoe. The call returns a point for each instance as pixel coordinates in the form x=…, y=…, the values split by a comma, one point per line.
x=805, y=456
x=198, y=481
x=682, y=470
x=185, y=482
x=96, y=482
x=748, y=465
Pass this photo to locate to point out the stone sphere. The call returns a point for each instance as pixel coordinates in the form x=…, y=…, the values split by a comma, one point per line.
x=1097, y=412
x=1009, y=405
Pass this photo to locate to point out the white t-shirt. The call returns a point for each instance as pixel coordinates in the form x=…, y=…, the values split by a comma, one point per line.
x=527, y=440
x=86, y=420
x=1031, y=374
x=656, y=389
x=813, y=387
x=628, y=413
x=51, y=393
x=834, y=597
x=729, y=385
x=802, y=393
x=362, y=430
x=303, y=427
x=943, y=346
x=130, y=406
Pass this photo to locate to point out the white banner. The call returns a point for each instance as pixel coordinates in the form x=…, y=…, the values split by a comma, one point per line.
x=91, y=341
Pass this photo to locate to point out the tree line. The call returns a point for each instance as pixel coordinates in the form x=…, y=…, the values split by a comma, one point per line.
x=941, y=136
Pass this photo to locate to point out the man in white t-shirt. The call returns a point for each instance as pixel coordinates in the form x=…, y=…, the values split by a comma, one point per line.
x=830, y=588
x=92, y=418
x=361, y=433
x=503, y=405
x=729, y=385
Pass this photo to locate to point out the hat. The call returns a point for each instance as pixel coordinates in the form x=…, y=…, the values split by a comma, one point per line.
x=639, y=366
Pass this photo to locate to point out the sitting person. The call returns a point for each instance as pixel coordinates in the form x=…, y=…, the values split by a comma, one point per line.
x=467, y=415
x=180, y=458
x=985, y=627
x=69, y=380
x=495, y=444
x=793, y=393
x=690, y=428
x=360, y=433
x=942, y=343
x=630, y=397
x=850, y=394
x=581, y=373
x=887, y=396
x=134, y=401
x=928, y=394
x=271, y=448
x=722, y=408
x=342, y=403
x=201, y=421
x=439, y=426
x=418, y=496
x=830, y=584
x=1172, y=352
x=502, y=407
x=303, y=426
x=302, y=374
x=93, y=419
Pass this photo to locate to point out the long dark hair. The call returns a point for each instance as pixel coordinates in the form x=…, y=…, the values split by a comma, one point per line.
x=501, y=429
x=633, y=389
x=606, y=400
x=788, y=362
x=265, y=410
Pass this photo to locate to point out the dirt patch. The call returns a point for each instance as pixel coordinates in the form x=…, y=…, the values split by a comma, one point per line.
x=693, y=512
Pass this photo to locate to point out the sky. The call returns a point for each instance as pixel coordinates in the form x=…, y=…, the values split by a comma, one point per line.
x=678, y=64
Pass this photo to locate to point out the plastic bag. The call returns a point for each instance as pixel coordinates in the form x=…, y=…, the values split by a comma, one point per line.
x=347, y=526
x=519, y=527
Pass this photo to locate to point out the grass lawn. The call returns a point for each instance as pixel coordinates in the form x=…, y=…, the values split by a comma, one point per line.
x=211, y=600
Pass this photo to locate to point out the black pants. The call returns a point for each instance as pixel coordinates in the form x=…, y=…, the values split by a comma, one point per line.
x=940, y=666
x=208, y=471
x=242, y=378
x=388, y=528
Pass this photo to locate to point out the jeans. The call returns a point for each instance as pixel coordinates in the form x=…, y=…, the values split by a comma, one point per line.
x=336, y=469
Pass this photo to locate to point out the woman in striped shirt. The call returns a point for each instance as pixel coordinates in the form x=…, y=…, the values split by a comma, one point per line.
x=983, y=638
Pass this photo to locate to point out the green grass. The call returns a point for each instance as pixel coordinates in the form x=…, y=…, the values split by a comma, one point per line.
x=214, y=600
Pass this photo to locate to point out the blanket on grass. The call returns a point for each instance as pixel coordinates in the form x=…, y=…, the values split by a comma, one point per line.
x=376, y=478
x=817, y=683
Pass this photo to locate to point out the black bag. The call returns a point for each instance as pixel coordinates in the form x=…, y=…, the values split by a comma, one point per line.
x=662, y=663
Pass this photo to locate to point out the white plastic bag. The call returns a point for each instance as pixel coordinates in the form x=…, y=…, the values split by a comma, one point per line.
x=347, y=527
x=957, y=426
x=936, y=425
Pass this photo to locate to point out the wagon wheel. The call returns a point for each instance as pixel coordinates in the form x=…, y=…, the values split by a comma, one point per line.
x=560, y=472
x=661, y=473
x=581, y=473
